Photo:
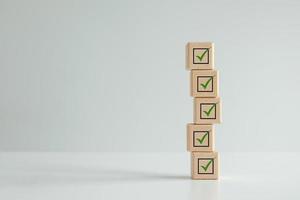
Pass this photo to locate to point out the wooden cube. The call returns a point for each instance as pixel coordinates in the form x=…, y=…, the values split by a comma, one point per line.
x=205, y=165
x=204, y=83
x=200, y=137
x=207, y=110
x=199, y=55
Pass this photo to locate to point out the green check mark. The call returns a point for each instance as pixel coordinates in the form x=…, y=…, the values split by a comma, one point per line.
x=209, y=111
x=201, y=56
x=204, y=85
x=203, y=137
x=206, y=166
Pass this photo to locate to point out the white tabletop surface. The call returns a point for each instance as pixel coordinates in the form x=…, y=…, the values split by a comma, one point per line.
x=152, y=176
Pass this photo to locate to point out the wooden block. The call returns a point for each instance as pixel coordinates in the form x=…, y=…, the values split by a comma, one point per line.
x=200, y=137
x=205, y=165
x=204, y=83
x=207, y=110
x=199, y=55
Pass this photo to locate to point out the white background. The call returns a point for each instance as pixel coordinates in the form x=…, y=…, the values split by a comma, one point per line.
x=110, y=75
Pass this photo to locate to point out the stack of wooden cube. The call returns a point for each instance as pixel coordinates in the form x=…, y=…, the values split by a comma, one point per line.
x=207, y=110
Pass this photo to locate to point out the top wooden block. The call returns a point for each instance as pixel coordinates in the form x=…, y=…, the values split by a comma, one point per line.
x=199, y=55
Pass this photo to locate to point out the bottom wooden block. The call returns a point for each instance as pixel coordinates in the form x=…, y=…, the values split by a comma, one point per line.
x=205, y=165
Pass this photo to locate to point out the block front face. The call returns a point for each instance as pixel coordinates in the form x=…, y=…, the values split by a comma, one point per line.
x=204, y=83
x=207, y=110
x=200, y=137
x=205, y=165
x=199, y=55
